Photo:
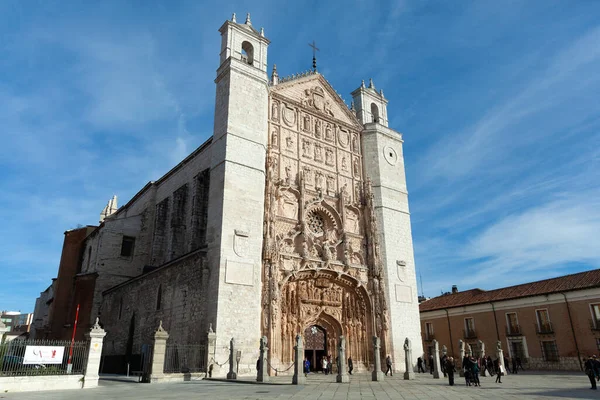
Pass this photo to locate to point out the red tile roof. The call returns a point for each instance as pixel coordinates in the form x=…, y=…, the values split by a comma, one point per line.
x=583, y=280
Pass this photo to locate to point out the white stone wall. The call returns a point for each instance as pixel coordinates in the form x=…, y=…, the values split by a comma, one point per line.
x=384, y=164
x=10, y=384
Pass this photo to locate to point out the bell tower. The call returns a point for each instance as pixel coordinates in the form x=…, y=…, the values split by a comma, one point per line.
x=237, y=190
x=384, y=165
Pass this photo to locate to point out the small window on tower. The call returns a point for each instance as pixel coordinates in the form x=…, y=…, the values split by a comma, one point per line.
x=375, y=112
x=247, y=52
x=127, y=246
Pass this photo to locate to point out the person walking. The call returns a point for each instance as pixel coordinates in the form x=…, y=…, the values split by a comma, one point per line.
x=431, y=364
x=306, y=367
x=324, y=365
x=466, y=366
x=420, y=365
x=519, y=365
x=350, y=365
x=589, y=371
x=450, y=370
x=490, y=365
x=506, y=365
x=499, y=371
x=388, y=363
x=515, y=367
x=475, y=373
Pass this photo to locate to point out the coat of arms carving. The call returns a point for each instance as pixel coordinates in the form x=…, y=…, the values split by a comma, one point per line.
x=315, y=97
x=241, y=243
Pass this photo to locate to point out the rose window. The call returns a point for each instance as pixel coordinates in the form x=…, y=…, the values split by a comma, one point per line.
x=316, y=223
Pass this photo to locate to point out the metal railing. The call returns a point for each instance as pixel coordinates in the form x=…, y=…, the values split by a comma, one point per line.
x=42, y=357
x=544, y=329
x=513, y=330
x=470, y=334
x=185, y=358
x=594, y=325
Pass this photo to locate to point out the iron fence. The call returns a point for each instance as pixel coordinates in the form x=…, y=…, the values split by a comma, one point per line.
x=185, y=358
x=42, y=357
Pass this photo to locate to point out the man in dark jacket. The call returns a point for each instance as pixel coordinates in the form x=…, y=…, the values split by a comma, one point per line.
x=388, y=363
x=420, y=365
x=589, y=371
x=350, y=365
x=450, y=370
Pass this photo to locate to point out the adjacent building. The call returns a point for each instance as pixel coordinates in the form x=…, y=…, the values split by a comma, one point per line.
x=551, y=324
x=16, y=324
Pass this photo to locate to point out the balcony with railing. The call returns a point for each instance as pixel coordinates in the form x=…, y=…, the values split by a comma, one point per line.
x=594, y=324
x=470, y=333
x=544, y=329
x=513, y=330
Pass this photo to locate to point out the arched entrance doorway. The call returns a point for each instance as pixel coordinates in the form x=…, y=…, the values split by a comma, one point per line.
x=329, y=305
x=315, y=348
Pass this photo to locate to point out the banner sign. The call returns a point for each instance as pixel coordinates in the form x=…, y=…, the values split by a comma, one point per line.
x=44, y=355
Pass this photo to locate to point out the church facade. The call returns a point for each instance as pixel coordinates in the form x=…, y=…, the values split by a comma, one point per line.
x=292, y=218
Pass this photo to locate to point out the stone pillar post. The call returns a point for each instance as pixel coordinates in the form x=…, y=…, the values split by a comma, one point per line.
x=377, y=374
x=482, y=359
x=436, y=359
x=461, y=346
x=96, y=336
x=263, y=368
x=500, y=354
x=211, y=350
x=342, y=375
x=409, y=373
x=232, y=374
x=299, y=378
x=158, y=354
x=468, y=350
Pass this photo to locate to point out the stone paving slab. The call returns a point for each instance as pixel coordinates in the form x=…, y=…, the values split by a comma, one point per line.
x=527, y=385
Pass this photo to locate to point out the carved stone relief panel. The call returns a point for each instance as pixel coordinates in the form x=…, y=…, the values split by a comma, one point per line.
x=275, y=110
x=343, y=137
x=275, y=137
x=289, y=116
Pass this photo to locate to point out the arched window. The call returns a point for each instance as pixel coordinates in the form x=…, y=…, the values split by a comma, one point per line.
x=159, y=297
x=375, y=112
x=247, y=52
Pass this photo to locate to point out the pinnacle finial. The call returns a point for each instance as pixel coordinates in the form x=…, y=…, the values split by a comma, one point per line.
x=352, y=105
x=362, y=83
x=248, y=22
x=381, y=92
x=233, y=18
x=274, y=75
x=262, y=32
x=371, y=85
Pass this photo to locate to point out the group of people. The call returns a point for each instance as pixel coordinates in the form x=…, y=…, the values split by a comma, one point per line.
x=472, y=367
x=326, y=365
x=592, y=370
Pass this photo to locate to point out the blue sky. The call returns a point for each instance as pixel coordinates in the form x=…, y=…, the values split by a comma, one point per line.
x=498, y=102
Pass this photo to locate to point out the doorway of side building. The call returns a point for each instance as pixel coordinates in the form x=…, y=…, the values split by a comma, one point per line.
x=315, y=346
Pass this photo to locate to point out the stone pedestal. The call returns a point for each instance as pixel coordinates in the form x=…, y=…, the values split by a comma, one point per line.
x=299, y=378
x=377, y=375
x=96, y=336
x=461, y=346
x=342, y=375
x=232, y=374
x=436, y=359
x=158, y=354
x=500, y=355
x=409, y=373
x=263, y=368
x=482, y=360
x=211, y=351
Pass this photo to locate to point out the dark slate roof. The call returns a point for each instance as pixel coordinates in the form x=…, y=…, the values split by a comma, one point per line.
x=567, y=283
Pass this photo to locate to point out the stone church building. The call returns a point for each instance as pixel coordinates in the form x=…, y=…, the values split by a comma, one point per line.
x=292, y=218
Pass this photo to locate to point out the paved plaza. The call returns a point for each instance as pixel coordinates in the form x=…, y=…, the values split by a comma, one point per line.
x=527, y=385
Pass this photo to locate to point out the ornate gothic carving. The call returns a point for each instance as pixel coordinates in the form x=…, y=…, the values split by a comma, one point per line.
x=321, y=262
